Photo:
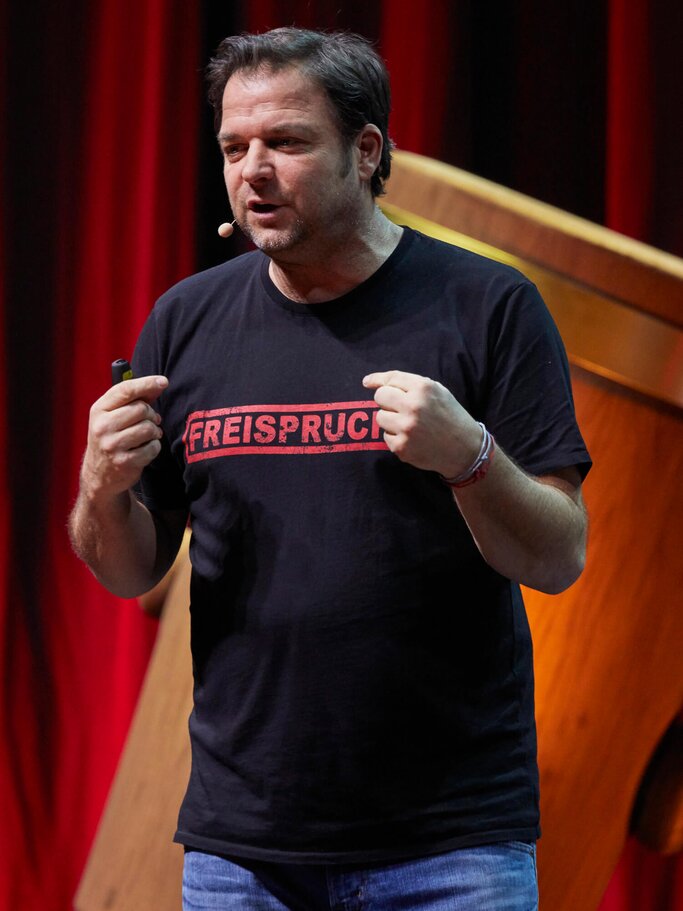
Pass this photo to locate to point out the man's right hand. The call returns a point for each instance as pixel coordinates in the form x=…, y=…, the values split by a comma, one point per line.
x=123, y=436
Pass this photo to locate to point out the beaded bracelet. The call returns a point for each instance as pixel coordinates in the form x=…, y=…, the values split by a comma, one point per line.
x=479, y=467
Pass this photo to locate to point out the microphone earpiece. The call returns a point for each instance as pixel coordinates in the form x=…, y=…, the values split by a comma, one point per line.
x=226, y=229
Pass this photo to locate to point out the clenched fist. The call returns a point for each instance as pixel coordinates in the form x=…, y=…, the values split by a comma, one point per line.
x=423, y=423
x=123, y=435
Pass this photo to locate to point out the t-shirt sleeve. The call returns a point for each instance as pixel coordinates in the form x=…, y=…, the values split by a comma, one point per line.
x=529, y=404
x=161, y=485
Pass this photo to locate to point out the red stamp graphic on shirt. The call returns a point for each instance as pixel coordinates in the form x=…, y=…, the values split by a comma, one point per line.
x=282, y=429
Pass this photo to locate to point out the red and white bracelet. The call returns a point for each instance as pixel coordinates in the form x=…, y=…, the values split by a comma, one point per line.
x=479, y=467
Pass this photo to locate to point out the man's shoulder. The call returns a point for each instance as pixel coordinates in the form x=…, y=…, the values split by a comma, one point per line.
x=211, y=283
x=445, y=271
x=442, y=254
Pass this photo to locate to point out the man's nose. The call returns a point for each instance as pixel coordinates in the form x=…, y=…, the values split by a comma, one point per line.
x=257, y=164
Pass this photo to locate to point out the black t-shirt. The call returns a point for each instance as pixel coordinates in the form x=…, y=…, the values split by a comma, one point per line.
x=363, y=681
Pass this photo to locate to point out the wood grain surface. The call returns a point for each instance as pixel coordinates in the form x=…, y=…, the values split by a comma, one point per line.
x=133, y=864
x=609, y=675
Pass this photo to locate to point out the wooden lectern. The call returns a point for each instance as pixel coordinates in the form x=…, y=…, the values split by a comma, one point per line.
x=608, y=651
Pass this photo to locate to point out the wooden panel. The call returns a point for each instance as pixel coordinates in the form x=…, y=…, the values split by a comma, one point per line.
x=134, y=864
x=608, y=651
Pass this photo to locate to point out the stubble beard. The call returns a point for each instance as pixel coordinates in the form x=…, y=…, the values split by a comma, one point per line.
x=296, y=235
x=275, y=241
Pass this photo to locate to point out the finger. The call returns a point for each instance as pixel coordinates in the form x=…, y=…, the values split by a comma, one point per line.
x=106, y=425
x=395, y=443
x=128, y=415
x=398, y=378
x=136, y=436
x=148, y=388
x=390, y=398
x=390, y=422
x=147, y=453
x=114, y=444
x=137, y=459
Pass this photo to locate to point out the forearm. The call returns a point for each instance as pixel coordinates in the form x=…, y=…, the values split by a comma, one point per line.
x=528, y=529
x=117, y=537
x=532, y=530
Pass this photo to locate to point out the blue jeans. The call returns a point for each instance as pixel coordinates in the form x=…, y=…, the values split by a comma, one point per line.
x=496, y=877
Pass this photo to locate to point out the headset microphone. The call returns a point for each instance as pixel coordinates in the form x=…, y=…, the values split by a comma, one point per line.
x=226, y=229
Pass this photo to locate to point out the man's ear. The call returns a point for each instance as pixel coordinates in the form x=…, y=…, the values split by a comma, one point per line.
x=369, y=145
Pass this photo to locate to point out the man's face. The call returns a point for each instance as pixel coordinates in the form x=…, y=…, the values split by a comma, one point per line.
x=293, y=186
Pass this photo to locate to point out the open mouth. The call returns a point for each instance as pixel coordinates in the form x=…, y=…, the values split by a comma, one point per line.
x=263, y=207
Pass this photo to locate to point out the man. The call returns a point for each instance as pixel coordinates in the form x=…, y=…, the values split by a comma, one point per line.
x=373, y=435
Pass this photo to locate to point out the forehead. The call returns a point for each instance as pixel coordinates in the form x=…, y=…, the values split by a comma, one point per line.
x=266, y=96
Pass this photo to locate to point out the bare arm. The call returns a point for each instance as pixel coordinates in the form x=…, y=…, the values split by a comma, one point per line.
x=127, y=547
x=531, y=530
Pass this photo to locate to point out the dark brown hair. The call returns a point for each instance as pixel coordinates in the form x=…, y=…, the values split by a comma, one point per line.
x=346, y=67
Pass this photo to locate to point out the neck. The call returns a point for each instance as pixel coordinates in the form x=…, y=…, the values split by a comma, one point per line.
x=345, y=266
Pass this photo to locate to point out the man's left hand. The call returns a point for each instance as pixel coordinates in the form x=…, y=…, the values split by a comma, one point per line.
x=423, y=423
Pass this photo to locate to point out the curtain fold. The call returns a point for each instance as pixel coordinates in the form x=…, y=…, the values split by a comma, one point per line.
x=99, y=219
x=630, y=119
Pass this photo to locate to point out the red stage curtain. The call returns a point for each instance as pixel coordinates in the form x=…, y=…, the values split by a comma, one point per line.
x=630, y=113
x=98, y=219
x=645, y=881
x=644, y=189
x=421, y=48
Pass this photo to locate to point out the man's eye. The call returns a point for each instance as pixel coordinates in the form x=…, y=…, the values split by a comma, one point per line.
x=231, y=151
